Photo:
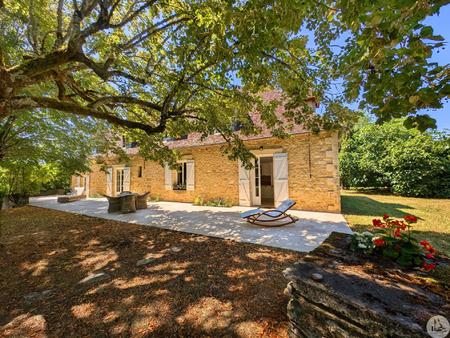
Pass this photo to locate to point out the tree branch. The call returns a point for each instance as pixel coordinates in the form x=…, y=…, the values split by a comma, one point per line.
x=75, y=108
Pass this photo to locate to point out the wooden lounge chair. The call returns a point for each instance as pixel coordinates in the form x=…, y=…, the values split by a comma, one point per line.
x=114, y=203
x=271, y=218
x=141, y=201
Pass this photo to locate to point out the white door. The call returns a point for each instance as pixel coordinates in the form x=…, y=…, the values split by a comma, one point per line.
x=190, y=175
x=109, y=181
x=244, y=185
x=126, y=179
x=280, y=175
x=119, y=181
x=256, y=182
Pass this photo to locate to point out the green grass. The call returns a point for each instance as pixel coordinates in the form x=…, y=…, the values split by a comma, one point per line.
x=433, y=214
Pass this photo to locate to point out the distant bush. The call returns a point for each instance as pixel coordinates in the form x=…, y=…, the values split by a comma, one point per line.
x=406, y=161
x=198, y=200
x=153, y=198
x=215, y=202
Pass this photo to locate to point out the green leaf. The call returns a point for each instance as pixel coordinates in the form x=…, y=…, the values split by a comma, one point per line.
x=426, y=32
x=405, y=260
x=390, y=252
x=376, y=19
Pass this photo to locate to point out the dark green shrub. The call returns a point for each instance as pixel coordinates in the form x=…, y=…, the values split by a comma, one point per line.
x=391, y=156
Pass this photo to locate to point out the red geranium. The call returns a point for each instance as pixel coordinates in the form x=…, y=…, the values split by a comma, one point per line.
x=402, y=225
x=379, y=242
x=427, y=246
x=429, y=256
x=397, y=232
x=410, y=219
x=377, y=223
x=385, y=216
x=428, y=266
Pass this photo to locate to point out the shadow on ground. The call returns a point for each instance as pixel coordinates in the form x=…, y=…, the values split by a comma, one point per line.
x=365, y=206
x=192, y=286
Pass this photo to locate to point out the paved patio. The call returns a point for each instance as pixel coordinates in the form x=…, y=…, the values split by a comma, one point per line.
x=304, y=235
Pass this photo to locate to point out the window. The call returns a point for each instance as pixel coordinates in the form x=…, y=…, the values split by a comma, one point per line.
x=140, y=171
x=120, y=175
x=236, y=125
x=257, y=177
x=170, y=139
x=181, y=173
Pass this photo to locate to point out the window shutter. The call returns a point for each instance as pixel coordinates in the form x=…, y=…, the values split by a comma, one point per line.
x=168, y=178
x=77, y=181
x=126, y=179
x=244, y=185
x=190, y=175
x=109, y=181
x=280, y=168
x=87, y=180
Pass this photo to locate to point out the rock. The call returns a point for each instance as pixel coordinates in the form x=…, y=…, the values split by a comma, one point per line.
x=200, y=239
x=288, y=290
x=36, y=296
x=335, y=251
x=144, y=261
x=416, y=327
x=317, y=277
x=175, y=249
x=288, y=272
x=92, y=278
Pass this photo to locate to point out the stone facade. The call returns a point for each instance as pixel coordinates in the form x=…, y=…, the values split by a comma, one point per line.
x=313, y=176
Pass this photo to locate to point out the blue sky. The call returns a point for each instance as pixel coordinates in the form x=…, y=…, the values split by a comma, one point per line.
x=441, y=26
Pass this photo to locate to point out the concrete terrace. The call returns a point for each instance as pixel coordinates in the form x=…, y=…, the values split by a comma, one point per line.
x=303, y=236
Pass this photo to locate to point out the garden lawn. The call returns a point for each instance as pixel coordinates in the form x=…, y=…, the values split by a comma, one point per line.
x=193, y=286
x=433, y=214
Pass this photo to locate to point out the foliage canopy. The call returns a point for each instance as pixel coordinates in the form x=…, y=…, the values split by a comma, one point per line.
x=406, y=161
x=41, y=150
x=166, y=68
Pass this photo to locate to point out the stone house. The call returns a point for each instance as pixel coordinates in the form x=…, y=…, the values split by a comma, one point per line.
x=303, y=167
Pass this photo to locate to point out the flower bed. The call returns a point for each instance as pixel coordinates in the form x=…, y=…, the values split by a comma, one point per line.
x=391, y=238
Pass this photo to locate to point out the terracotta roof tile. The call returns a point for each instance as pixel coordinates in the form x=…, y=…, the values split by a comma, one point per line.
x=194, y=139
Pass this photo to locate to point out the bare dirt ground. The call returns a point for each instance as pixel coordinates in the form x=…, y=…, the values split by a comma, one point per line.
x=193, y=286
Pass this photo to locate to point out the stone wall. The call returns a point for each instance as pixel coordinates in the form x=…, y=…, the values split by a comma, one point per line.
x=334, y=293
x=312, y=169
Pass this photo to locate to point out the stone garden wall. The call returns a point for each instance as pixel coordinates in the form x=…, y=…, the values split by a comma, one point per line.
x=335, y=294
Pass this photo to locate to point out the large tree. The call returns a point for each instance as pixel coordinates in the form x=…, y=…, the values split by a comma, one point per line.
x=41, y=150
x=167, y=67
x=405, y=161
